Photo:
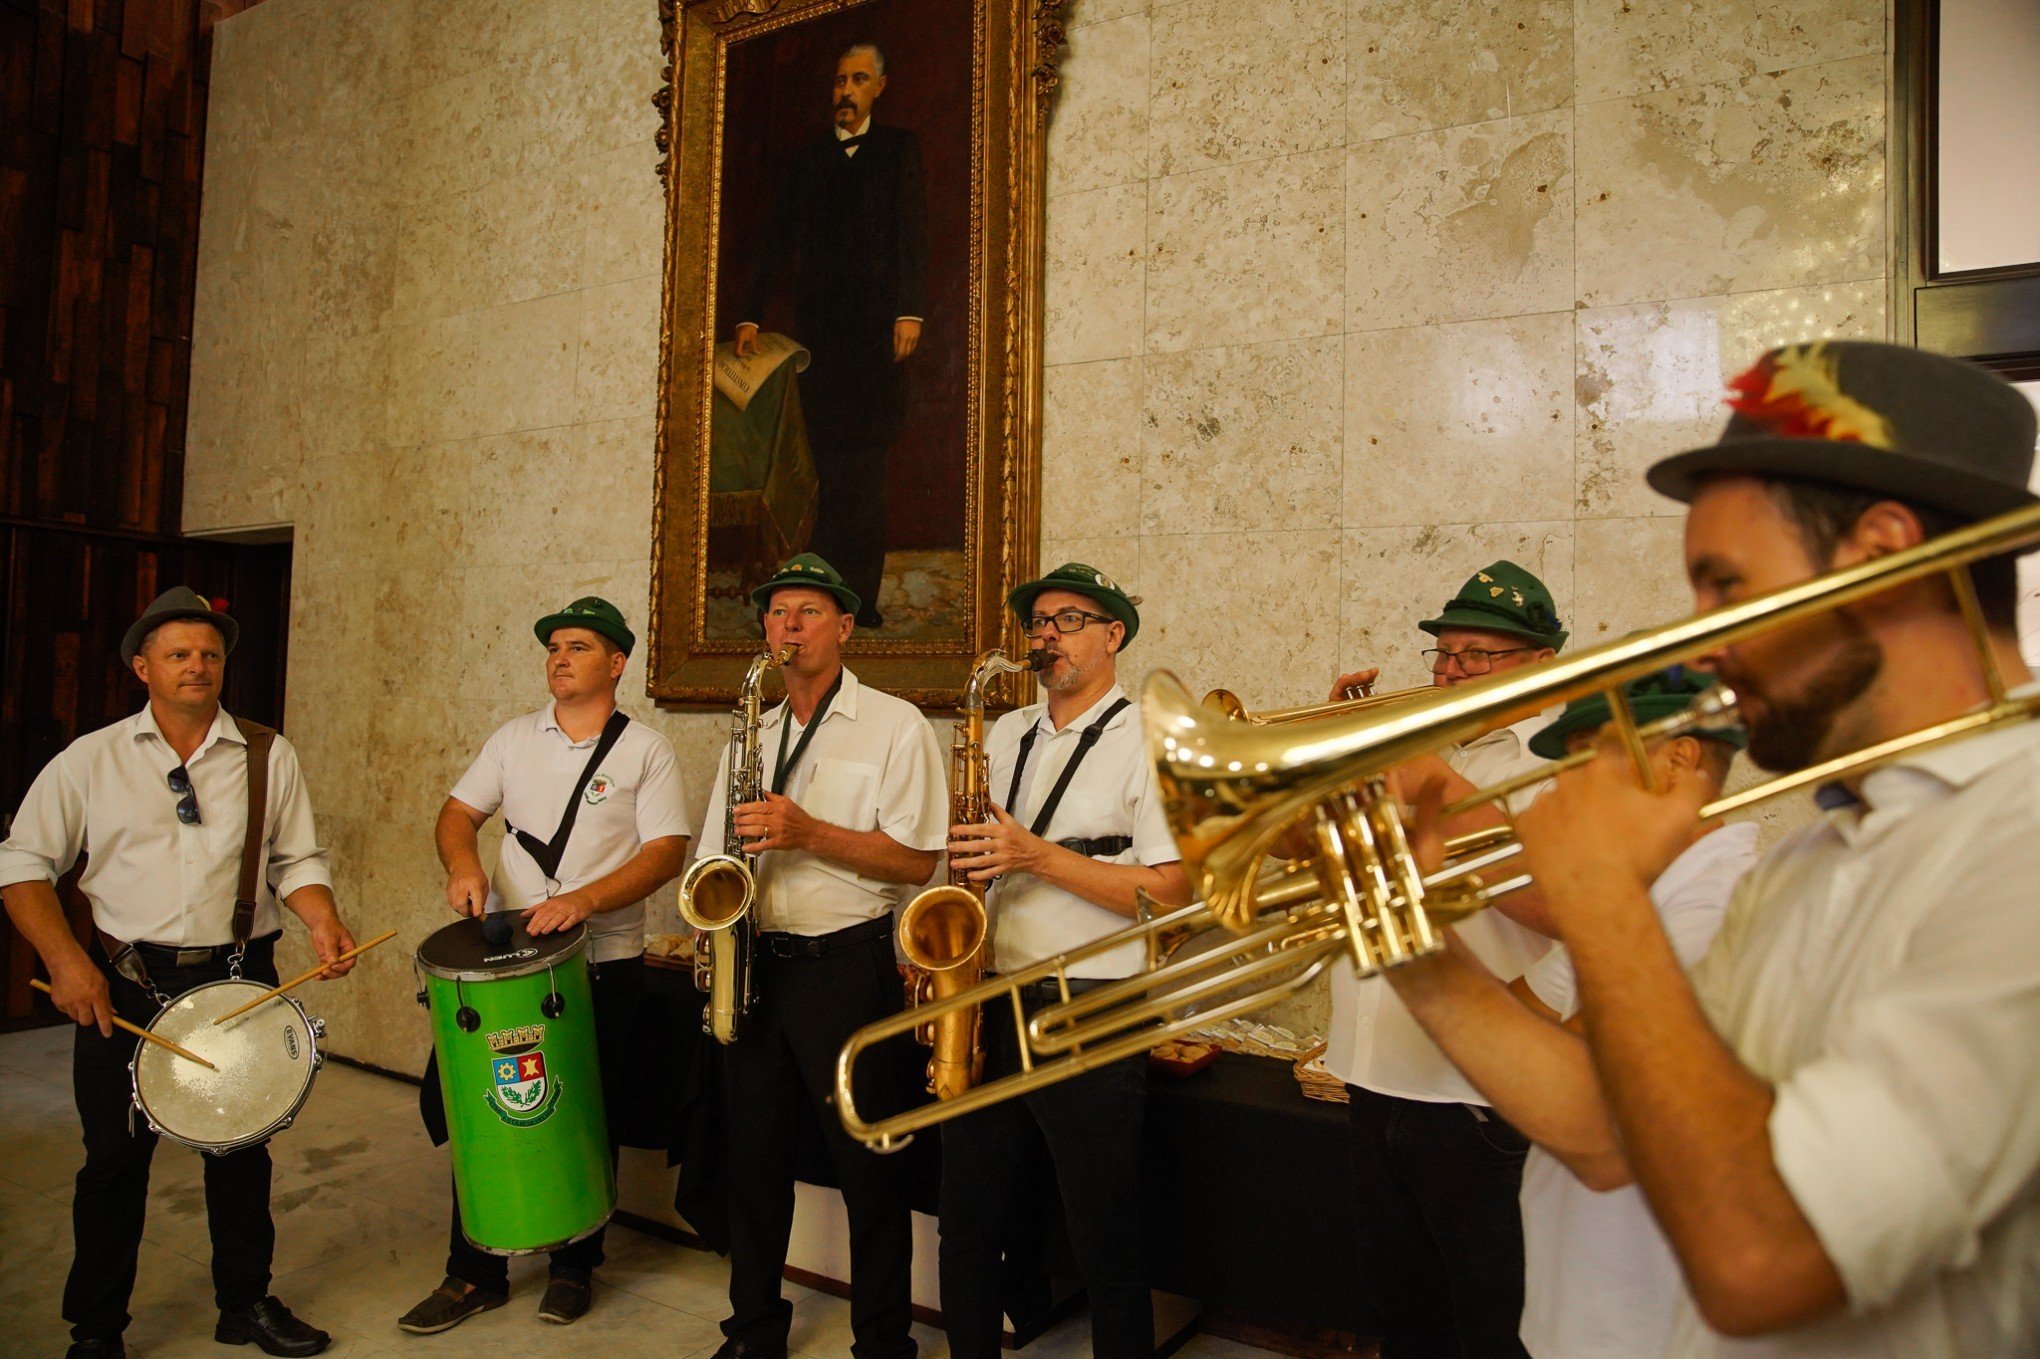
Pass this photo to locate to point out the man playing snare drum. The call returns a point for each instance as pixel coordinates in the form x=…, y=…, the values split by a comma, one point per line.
x=627, y=838
x=162, y=799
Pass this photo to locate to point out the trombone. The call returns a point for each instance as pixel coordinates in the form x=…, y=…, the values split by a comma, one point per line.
x=1232, y=790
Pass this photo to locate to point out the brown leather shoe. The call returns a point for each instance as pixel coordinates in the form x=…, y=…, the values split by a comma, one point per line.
x=447, y=1306
x=270, y=1327
x=566, y=1299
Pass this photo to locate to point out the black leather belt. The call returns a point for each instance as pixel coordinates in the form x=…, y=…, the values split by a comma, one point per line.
x=1099, y=847
x=777, y=944
x=168, y=955
x=1047, y=990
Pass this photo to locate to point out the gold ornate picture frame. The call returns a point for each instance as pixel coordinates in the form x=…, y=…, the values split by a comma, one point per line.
x=937, y=235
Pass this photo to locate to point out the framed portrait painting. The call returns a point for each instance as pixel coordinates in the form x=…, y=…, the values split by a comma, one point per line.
x=850, y=341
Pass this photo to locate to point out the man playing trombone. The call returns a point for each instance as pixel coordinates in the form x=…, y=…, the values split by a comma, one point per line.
x=1834, y=1121
x=1437, y=1170
x=1077, y=833
x=853, y=811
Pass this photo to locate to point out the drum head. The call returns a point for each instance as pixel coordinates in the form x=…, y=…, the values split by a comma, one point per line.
x=461, y=952
x=266, y=1060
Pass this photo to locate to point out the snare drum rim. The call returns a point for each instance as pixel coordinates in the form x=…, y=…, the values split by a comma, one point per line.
x=522, y=969
x=313, y=1061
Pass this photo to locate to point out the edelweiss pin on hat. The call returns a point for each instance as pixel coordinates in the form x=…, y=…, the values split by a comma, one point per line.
x=593, y=613
x=1503, y=597
x=1920, y=427
x=1088, y=581
x=811, y=571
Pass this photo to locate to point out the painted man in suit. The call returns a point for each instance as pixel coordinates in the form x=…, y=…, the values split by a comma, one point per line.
x=849, y=226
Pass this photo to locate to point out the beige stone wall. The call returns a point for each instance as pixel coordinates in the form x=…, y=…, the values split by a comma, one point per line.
x=1344, y=300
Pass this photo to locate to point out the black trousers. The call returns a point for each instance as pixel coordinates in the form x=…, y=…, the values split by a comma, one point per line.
x=112, y=1195
x=853, y=396
x=805, y=1008
x=617, y=984
x=1092, y=1127
x=1441, y=1232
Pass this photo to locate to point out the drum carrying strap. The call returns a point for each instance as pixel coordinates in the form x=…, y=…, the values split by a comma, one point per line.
x=547, y=854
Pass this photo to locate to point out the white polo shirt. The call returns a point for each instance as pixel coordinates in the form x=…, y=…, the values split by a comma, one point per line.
x=873, y=765
x=1881, y=970
x=1374, y=1041
x=151, y=878
x=1113, y=793
x=1599, y=1279
x=527, y=770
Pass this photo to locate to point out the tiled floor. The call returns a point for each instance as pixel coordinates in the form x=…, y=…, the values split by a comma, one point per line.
x=359, y=1199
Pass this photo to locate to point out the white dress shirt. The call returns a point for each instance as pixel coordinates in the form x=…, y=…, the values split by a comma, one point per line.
x=1113, y=793
x=527, y=769
x=1374, y=1041
x=873, y=765
x=1599, y=1278
x=1881, y=969
x=151, y=878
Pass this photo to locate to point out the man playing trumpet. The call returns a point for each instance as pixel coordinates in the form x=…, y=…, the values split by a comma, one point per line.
x=1834, y=1120
x=1077, y=833
x=1437, y=1170
x=852, y=813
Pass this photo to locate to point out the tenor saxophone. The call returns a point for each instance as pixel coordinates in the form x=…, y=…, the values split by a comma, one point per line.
x=718, y=892
x=944, y=931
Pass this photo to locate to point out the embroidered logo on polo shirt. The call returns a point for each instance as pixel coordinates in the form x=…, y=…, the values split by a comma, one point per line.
x=599, y=789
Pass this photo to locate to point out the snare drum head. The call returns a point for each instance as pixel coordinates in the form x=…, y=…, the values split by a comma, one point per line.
x=460, y=951
x=266, y=1060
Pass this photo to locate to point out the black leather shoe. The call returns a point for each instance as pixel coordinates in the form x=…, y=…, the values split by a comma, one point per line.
x=269, y=1326
x=96, y=1349
x=745, y=1349
x=566, y=1299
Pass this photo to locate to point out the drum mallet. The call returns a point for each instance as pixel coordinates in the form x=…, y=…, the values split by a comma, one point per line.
x=138, y=1031
x=276, y=991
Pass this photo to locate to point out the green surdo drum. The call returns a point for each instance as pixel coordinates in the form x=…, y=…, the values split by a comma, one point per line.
x=513, y=1027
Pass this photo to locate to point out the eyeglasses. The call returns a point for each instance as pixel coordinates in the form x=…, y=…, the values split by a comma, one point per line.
x=1472, y=661
x=1069, y=620
x=187, y=799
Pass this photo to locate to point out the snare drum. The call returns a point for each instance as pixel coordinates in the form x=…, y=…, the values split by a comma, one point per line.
x=266, y=1059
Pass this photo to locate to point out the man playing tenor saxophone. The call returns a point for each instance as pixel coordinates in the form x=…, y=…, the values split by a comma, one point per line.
x=852, y=810
x=1076, y=831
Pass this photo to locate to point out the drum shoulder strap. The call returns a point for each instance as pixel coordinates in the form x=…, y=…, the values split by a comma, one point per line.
x=547, y=854
x=259, y=739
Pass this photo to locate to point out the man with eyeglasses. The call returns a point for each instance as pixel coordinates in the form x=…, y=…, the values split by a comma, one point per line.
x=1438, y=1171
x=162, y=800
x=1077, y=831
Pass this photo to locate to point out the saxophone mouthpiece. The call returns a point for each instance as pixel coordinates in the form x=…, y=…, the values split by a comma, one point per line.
x=1038, y=659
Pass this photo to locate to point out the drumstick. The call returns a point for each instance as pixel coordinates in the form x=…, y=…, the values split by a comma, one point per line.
x=275, y=991
x=138, y=1031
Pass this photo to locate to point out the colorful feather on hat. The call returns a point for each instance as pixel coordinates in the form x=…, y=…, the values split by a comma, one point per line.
x=1796, y=392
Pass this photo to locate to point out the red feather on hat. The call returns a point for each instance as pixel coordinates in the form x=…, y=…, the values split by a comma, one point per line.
x=1796, y=392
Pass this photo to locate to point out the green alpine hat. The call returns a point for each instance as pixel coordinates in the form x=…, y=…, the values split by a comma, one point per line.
x=593, y=613
x=1087, y=581
x=811, y=571
x=1654, y=696
x=1502, y=598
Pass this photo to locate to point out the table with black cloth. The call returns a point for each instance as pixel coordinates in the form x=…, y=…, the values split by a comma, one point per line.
x=1249, y=1188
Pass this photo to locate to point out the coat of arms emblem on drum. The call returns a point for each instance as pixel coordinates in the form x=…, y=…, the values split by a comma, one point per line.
x=520, y=1093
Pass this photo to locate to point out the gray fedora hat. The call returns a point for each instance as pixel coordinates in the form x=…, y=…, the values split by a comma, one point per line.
x=169, y=607
x=1884, y=418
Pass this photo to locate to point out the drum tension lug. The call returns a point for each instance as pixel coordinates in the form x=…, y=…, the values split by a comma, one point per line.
x=553, y=1005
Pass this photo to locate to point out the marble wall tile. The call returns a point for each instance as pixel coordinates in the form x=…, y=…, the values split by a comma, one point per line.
x=576, y=493
x=1091, y=449
x=1424, y=66
x=618, y=371
x=1080, y=13
x=493, y=122
x=1652, y=376
x=1462, y=224
x=1625, y=48
x=453, y=38
x=1252, y=612
x=1232, y=82
x=1242, y=438
x=616, y=71
x=505, y=241
x=1250, y=251
x=512, y=367
x=623, y=204
x=1627, y=574
x=1768, y=182
x=1094, y=292
x=1395, y=577
x=1468, y=423
x=1098, y=125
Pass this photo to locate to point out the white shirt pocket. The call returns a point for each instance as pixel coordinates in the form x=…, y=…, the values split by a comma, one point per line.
x=843, y=793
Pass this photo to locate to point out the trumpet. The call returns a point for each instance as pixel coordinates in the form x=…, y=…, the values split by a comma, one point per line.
x=1355, y=698
x=719, y=891
x=1232, y=790
x=944, y=931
